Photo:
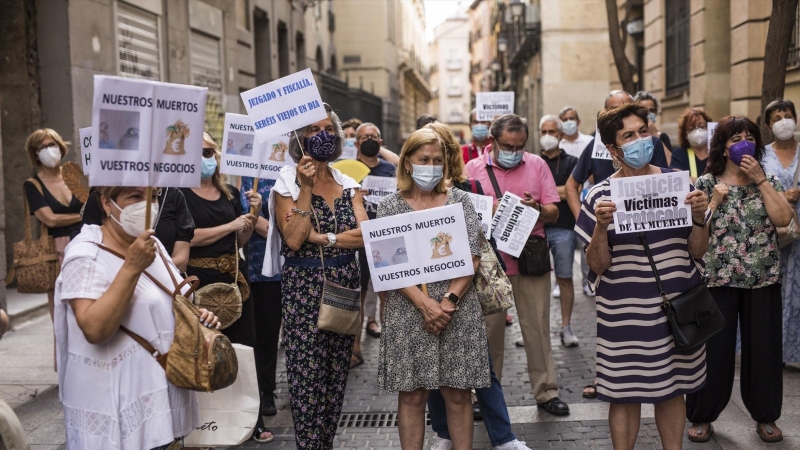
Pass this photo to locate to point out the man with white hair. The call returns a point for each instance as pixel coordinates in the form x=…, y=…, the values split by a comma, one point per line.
x=573, y=141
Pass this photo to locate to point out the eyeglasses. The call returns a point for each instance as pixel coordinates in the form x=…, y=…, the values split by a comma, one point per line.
x=508, y=148
x=208, y=152
x=364, y=137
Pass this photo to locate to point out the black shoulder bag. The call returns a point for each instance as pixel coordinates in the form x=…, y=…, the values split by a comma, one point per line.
x=535, y=257
x=693, y=316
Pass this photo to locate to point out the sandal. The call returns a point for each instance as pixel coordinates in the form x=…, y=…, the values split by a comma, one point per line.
x=769, y=432
x=373, y=331
x=356, y=360
x=590, y=391
x=701, y=433
x=259, y=431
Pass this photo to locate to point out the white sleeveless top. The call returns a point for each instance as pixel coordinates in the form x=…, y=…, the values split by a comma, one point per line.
x=116, y=395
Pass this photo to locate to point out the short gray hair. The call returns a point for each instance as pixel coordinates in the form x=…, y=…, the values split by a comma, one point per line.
x=511, y=123
x=368, y=124
x=300, y=134
x=644, y=95
x=551, y=118
x=567, y=109
x=613, y=93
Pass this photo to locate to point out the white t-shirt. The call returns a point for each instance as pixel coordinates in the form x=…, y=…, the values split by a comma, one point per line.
x=576, y=148
x=116, y=395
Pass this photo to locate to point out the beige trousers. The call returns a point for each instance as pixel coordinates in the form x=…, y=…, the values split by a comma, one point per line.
x=532, y=298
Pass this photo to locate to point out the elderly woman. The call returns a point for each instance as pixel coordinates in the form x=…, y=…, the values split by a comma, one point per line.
x=318, y=211
x=744, y=268
x=115, y=394
x=692, y=154
x=434, y=338
x=637, y=361
x=781, y=160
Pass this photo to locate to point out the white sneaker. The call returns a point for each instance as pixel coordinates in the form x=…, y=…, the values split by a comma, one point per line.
x=442, y=444
x=588, y=292
x=513, y=445
x=568, y=338
x=557, y=292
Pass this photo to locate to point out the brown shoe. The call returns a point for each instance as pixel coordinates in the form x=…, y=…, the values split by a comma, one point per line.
x=702, y=432
x=769, y=432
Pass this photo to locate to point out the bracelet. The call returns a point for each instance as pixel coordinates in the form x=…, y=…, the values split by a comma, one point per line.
x=301, y=212
x=763, y=180
x=698, y=224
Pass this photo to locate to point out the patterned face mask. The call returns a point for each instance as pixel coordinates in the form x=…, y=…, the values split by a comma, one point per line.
x=321, y=147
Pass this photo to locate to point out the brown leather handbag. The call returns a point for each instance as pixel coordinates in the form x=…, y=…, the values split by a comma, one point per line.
x=35, y=261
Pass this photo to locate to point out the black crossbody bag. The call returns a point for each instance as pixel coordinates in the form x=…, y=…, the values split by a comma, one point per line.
x=693, y=316
x=535, y=257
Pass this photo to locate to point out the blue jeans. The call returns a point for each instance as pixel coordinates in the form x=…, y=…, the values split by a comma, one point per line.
x=493, y=407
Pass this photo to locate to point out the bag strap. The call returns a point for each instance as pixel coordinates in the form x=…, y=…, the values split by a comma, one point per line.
x=692, y=163
x=493, y=179
x=319, y=230
x=43, y=232
x=161, y=358
x=474, y=187
x=653, y=266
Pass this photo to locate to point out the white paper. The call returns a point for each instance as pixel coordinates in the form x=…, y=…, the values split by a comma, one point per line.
x=491, y=105
x=240, y=153
x=284, y=105
x=651, y=202
x=711, y=126
x=512, y=224
x=599, y=151
x=274, y=155
x=483, y=206
x=86, y=149
x=378, y=188
x=417, y=247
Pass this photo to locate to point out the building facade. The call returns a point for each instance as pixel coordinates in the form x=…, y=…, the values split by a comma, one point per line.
x=450, y=79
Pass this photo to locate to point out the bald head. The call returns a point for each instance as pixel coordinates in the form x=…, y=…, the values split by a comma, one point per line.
x=617, y=98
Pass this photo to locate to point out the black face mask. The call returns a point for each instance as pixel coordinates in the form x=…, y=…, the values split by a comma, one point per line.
x=370, y=148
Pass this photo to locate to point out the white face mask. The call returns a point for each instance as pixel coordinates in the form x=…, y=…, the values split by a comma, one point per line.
x=698, y=137
x=784, y=129
x=131, y=218
x=570, y=127
x=50, y=156
x=548, y=142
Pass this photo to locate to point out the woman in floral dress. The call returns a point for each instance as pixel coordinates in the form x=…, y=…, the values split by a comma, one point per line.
x=317, y=210
x=743, y=270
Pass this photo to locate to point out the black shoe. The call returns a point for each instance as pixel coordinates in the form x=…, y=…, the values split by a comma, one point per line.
x=555, y=407
x=268, y=406
x=476, y=411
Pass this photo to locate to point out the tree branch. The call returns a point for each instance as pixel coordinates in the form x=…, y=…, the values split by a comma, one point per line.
x=776, y=56
x=625, y=69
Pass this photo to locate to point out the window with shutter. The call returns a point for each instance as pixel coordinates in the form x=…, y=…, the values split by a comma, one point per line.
x=138, y=43
x=207, y=72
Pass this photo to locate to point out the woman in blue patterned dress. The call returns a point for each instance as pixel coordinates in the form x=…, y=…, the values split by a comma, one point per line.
x=637, y=361
x=781, y=160
x=318, y=209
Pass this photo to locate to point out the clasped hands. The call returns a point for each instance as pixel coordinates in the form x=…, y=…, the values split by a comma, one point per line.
x=437, y=315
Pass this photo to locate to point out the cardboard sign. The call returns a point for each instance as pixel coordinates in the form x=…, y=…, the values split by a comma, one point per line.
x=512, y=224
x=599, y=151
x=378, y=188
x=483, y=206
x=284, y=105
x=417, y=247
x=86, y=149
x=274, y=155
x=493, y=104
x=243, y=155
x=146, y=133
x=651, y=202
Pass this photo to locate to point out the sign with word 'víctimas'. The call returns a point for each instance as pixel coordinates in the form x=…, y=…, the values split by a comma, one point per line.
x=512, y=224
x=651, y=202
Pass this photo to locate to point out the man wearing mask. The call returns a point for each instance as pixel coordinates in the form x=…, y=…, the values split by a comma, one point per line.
x=349, y=128
x=560, y=234
x=508, y=167
x=573, y=141
x=480, y=137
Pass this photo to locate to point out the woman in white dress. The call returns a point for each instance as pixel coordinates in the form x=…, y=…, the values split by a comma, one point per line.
x=115, y=394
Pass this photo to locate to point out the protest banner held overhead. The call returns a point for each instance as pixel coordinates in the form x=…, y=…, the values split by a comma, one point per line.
x=378, y=187
x=491, y=105
x=243, y=155
x=651, y=202
x=146, y=133
x=284, y=105
x=86, y=149
x=483, y=206
x=512, y=224
x=417, y=247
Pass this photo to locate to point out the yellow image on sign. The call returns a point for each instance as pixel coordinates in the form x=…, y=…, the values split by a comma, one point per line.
x=441, y=245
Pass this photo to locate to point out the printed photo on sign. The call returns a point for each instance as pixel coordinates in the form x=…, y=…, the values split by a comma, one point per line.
x=119, y=130
x=651, y=202
x=512, y=224
x=483, y=206
x=239, y=144
x=86, y=149
x=491, y=105
x=389, y=252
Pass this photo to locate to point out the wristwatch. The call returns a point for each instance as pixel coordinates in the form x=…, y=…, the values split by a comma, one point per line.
x=452, y=297
x=331, y=240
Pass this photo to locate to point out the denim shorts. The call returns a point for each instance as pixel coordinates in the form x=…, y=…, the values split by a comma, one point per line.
x=562, y=247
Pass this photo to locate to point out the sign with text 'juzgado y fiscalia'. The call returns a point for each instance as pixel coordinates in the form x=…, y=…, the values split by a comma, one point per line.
x=417, y=247
x=491, y=105
x=146, y=133
x=86, y=149
x=512, y=224
x=242, y=155
x=284, y=105
x=651, y=202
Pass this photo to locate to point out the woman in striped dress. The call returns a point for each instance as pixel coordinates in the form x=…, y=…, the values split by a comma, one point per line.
x=637, y=361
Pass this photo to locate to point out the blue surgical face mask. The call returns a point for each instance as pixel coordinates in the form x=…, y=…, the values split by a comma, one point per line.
x=480, y=131
x=651, y=117
x=427, y=177
x=570, y=127
x=509, y=159
x=208, y=168
x=638, y=153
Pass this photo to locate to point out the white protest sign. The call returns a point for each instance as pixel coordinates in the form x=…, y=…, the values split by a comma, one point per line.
x=240, y=155
x=86, y=149
x=599, y=151
x=483, y=206
x=417, y=247
x=378, y=188
x=284, y=105
x=712, y=126
x=274, y=155
x=512, y=224
x=651, y=202
x=493, y=104
x=146, y=133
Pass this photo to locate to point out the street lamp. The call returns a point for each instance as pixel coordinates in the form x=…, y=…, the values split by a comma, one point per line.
x=502, y=45
x=495, y=65
x=517, y=8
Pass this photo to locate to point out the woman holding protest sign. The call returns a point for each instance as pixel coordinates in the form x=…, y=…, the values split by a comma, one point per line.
x=743, y=269
x=320, y=210
x=115, y=394
x=637, y=360
x=434, y=336
x=222, y=228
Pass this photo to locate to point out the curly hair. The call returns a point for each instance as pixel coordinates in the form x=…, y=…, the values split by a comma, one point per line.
x=689, y=117
x=727, y=128
x=609, y=121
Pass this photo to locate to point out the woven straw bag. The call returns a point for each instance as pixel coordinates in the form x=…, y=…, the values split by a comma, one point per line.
x=35, y=261
x=222, y=299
